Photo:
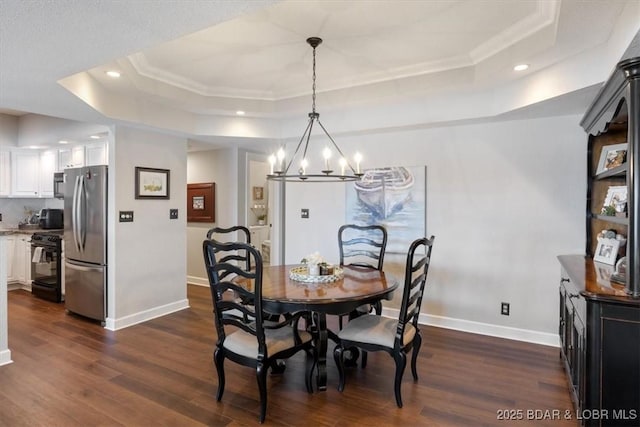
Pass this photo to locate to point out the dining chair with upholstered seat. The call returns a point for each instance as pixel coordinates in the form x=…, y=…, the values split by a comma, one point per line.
x=396, y=336
x=244, y=336
x=362, y=246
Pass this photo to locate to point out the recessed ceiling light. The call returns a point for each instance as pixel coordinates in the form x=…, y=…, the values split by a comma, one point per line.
x=95, y=137
x=240, y=113
x=33, y=147
x=521, y=67
x=113, y=73
x=62, y=141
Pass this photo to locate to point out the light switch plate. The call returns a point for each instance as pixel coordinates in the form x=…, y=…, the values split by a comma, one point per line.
x=125, y=216
x=173, y=213
x=304, y=213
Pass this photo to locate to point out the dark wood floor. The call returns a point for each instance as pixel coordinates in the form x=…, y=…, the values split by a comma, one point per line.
x=68, y=371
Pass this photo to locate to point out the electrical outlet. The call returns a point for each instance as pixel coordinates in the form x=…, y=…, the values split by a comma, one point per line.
x=0, y=217
x=304, y=213
x=173, y=213
x=504, y=309
x=126, y=216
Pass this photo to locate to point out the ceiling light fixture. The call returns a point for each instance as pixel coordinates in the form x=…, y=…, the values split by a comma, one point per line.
x=95, y=137
x=240, y=113
x=63, y=141
x=279, y=167
x=113, y=73
x=521, y=67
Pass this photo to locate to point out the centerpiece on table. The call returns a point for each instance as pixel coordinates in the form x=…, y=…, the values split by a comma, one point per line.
x=315, y=270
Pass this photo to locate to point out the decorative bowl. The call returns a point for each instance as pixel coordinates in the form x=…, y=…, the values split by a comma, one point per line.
x=301, y=274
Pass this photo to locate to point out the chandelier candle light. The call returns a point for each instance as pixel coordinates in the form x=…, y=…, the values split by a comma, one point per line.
x=279, y=168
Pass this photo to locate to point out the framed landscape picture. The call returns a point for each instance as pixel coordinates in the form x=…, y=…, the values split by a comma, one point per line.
x=152, y=183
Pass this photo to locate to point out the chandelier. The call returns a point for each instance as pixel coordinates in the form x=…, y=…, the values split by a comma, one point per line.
x=280, y=167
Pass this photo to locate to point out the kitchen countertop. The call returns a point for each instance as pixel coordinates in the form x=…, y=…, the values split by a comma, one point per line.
x=7, y=231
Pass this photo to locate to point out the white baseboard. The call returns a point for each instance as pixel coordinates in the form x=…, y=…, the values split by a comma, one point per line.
x=516, y=334
x=5, y=357
x=143, y=316
x=480, y=328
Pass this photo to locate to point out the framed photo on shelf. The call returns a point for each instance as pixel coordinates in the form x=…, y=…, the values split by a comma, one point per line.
x=201, y=206
x=607, y=251
x=152, y=183
x=617, y=198
x=612, y=156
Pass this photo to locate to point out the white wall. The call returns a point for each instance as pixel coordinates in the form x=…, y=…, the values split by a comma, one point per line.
x=221, y=167
x=503, y=200
x=8, y=130
x=146, y=257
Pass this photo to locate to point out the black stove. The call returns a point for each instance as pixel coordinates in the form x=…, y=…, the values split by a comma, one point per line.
x=46, y=265
x=48, y=237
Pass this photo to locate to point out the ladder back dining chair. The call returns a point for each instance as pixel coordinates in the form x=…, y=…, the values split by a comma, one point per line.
x=363, y=246
x=396, y=336
x=244, y=336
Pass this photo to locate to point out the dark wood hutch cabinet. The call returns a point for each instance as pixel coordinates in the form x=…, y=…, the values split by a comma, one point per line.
x=600, y=319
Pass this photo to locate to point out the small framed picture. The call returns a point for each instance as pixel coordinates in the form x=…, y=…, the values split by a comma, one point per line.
x=616, y=198
x=258, y=193
x=612, y=156
x=201, y=202
x=607, y=251
x=152, y=183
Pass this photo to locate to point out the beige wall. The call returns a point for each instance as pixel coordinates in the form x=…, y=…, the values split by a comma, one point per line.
x=147, y=257
x=218, y=166
x=503, y=200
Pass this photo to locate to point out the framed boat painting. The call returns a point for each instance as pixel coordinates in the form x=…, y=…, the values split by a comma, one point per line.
x=394, y=197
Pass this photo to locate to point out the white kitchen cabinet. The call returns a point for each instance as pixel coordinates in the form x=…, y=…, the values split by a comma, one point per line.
x=22, y=259
x=11, y=248
x=96, y=154
x=70, y=157
x=5, y=173
x=48, y=165
x=25, y=173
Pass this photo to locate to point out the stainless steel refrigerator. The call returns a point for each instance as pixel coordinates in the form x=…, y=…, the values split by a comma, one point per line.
x=85, y=241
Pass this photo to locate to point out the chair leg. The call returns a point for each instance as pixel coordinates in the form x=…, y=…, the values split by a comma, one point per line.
x=377, y=306
x=261, y=376
x=218, y=360
x=364, y=359
x=417, y=342
x=401, y=362
x=338, y=357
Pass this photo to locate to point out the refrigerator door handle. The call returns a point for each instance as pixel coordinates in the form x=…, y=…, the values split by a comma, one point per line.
x=74, y=214
x=77, y=267
x=82, y=202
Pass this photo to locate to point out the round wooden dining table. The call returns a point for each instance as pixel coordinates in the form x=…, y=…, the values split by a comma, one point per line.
x=359, y=285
